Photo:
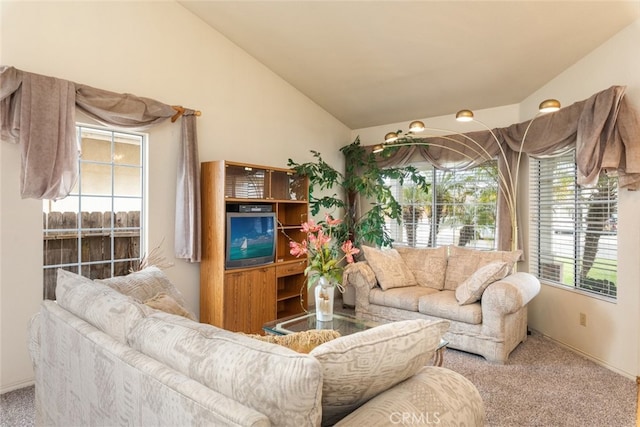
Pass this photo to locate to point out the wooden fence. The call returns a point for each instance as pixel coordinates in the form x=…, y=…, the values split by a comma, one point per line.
x=61, y=244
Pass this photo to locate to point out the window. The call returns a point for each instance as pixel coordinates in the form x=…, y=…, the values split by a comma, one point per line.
x=97, y=230
x=459, y=209
x=573, y=229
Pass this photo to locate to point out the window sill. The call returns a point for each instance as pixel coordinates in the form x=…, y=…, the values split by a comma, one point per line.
x=580, y=292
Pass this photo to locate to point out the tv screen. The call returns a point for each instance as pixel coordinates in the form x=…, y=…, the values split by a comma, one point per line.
x=251, y=239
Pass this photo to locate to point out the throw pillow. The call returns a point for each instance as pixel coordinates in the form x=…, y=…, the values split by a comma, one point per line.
x=164, y=302
x=389, y=268
x=463, y=262
x=106, y=309
x=428, y=265
x=145, y=284
x=302, y=342
x=471, y=289
x=357, y=367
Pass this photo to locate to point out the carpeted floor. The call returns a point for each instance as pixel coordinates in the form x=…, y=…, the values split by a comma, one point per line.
x=544, y=384
x=16, y=408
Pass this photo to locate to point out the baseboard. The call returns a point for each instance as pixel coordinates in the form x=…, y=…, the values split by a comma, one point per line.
x=590, y=357
x=16, y=386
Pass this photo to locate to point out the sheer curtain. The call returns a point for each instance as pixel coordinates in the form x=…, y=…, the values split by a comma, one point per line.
x=38, y=112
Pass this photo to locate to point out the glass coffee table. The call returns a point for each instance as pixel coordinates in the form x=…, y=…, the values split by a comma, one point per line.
x=343, y=323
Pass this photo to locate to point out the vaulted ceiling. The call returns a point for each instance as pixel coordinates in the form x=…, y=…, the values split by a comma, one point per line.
x=375, y=62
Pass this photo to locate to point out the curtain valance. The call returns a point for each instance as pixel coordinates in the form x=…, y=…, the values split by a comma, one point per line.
x=604, y=129
x=38, y=112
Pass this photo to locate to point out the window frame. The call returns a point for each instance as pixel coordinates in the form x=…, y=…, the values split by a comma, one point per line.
x=81, y=231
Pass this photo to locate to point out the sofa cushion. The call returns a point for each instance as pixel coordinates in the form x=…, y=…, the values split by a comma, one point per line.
x=389, y=268
x=428, y=265
x=108, y=310
x=165, y=302
x=359, y=366
x=403, y=298
x=464, y=262
x=145, y=284
x=278, y=382
x=471, y=290
x=444, y=305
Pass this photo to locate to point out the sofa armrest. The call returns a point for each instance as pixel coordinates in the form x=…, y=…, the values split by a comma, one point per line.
x=34, y=339
x=433, y=396
x=361, y=277
x=511, y=293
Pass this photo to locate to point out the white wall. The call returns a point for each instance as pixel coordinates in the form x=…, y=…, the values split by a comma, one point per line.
x=612, y=334
x=157, y=50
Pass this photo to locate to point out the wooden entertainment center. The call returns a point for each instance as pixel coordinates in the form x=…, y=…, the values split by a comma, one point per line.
x=244, y=299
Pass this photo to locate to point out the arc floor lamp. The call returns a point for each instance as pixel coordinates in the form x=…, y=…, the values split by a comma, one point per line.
x=507, y=178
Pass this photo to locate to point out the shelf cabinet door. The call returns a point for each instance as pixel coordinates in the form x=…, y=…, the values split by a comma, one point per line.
x=250, y=297
x=286, y=185
x=246, y=182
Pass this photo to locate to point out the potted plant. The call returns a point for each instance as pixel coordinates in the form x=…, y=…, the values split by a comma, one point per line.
x=362, y=179
x=326, y=253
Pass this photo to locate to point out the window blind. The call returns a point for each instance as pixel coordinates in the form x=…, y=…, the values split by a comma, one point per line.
x=573, y=229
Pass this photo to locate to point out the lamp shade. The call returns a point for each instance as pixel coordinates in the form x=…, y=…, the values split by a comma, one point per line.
x=378, y=148
x=416, y=126
x=549, y=106
x=464, y=116
x=390, y=137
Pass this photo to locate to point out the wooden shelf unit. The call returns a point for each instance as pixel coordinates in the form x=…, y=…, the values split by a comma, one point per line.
x=243, y=299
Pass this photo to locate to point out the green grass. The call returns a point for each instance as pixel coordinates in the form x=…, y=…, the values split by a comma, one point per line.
x=603, y=269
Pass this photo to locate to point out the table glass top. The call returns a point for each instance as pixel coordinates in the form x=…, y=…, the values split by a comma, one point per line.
x=343, y=323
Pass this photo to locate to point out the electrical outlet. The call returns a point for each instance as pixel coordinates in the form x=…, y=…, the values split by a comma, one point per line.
x=583, y=319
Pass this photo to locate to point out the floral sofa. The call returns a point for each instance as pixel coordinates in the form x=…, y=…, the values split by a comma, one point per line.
x=476, y=291
x=112, y=352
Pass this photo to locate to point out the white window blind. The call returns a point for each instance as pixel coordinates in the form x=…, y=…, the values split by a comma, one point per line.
x=573, y=229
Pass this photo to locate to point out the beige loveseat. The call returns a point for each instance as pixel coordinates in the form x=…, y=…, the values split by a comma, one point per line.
x=476, y=291
x=105, y=358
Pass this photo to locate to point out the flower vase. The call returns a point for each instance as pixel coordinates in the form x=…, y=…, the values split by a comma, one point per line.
x=324, y=300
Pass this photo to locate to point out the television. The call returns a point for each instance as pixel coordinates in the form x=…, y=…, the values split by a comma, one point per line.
x=251, y=239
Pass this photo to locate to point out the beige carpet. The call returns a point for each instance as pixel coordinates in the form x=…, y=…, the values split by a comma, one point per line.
x=544, y=384
x=17, y=408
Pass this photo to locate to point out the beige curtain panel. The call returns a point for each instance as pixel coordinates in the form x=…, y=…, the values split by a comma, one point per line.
x=38, y=112
x=604, y=130
x=187, y=232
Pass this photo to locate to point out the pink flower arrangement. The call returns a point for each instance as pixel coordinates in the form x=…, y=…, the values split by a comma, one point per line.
x=325, y=254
